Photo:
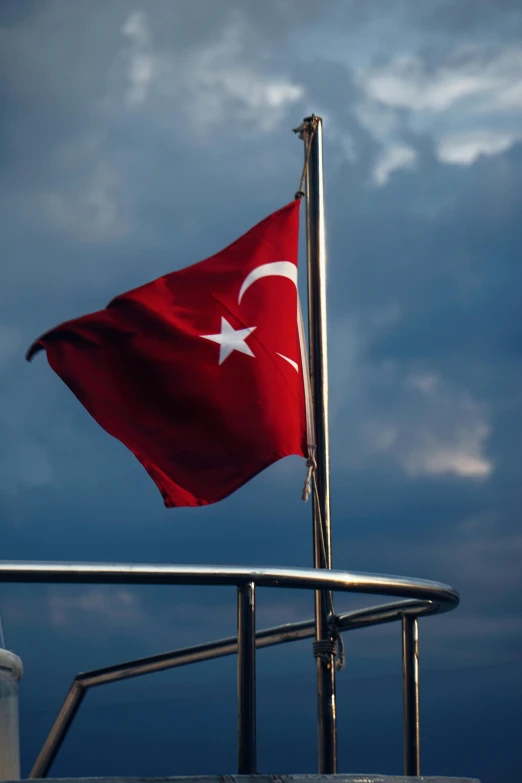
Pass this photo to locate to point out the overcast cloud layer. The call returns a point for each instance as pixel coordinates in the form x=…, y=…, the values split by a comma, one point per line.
x=137, y=138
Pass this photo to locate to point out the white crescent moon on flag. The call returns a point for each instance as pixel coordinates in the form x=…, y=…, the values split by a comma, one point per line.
x=277, y=268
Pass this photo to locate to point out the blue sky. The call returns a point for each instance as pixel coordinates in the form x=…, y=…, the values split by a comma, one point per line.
x=138, y=138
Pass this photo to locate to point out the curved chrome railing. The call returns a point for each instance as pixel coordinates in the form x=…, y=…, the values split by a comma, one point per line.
x=426, y=598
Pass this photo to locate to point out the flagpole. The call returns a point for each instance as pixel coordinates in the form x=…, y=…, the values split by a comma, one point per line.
x=324, y=647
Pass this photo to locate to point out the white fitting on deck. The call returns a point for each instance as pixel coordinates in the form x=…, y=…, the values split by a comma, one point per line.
x=10, y=674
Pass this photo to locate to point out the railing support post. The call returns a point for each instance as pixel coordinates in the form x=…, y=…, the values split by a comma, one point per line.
x=59, y=731
x=410, y=684
x=246, y=678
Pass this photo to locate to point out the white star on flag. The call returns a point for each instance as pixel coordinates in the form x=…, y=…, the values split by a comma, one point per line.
x=230, y=339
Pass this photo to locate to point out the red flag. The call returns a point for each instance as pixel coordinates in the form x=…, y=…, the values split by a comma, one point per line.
x=198, y=373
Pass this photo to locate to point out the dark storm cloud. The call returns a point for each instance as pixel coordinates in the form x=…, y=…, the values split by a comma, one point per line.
x=467, y=15
x=481, y=17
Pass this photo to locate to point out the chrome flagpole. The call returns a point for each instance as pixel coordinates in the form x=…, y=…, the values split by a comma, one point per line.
x=324, y=648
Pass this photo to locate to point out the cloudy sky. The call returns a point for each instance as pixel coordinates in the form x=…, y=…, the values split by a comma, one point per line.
x=139, y=137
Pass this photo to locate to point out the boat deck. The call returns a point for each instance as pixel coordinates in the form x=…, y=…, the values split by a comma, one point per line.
x=271, y=779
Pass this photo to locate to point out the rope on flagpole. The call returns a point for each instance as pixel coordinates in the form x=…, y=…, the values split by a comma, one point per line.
x=323, y=543
x=335, y=645
x=310, y=432
x=338, y=640
x=311, y=126
x=311, y=464
x=325, y=648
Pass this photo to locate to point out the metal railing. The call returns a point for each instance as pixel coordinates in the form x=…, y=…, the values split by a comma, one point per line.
x=425, y=598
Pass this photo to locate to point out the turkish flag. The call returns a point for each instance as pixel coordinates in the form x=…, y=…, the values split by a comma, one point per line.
x=198, y=373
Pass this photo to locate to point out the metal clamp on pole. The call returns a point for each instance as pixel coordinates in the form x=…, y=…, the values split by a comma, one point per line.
x=246, y=678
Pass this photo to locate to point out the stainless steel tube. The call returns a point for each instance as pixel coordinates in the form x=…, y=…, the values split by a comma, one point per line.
x=296, y=578
x=318, y=350
x=246, y=678
x=61, y=726
x=410, y=684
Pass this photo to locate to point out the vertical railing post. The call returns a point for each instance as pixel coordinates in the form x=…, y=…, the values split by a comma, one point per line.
x=246, y=678
x=410, y=684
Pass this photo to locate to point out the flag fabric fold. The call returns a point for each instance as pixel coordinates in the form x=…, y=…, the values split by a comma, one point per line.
x=199, y=372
